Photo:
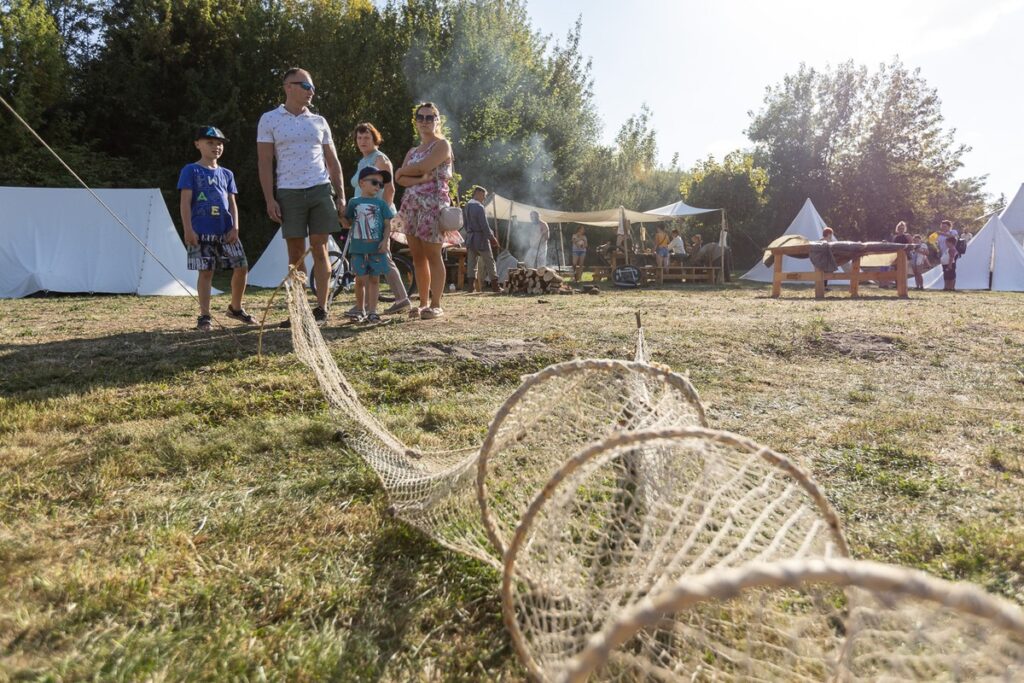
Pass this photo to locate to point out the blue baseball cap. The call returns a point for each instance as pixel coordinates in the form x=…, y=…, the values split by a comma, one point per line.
x=373, y=170
x=210, y=132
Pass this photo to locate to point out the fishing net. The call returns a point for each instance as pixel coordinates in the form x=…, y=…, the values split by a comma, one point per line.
x=831, y=619
x=626, y=517
x=553, y=414
x=639, y=545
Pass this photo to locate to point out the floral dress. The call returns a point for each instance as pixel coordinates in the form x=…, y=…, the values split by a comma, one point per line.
x=422, y=204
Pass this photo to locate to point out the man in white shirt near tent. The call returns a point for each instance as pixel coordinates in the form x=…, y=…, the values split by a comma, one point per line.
x=307, y=171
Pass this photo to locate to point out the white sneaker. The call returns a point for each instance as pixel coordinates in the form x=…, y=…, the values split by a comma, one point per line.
x=431, y=313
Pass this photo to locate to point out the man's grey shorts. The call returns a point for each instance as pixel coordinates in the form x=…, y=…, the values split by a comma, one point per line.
x=310, y=211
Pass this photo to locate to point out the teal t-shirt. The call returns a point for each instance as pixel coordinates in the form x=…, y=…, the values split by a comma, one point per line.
x=367, y=215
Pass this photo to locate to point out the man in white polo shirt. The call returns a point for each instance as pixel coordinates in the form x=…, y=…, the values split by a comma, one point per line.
x=308, y=178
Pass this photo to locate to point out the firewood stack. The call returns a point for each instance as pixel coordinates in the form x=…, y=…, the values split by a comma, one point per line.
x=536, y=281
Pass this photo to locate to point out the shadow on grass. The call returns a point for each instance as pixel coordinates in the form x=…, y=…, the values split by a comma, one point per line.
x=405, y=611
x=71, y=366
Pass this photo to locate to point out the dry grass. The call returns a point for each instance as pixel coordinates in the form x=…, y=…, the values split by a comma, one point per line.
x=172, y=507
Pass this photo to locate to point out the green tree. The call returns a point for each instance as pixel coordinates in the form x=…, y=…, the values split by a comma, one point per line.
x=868, y=148
x=738, y=185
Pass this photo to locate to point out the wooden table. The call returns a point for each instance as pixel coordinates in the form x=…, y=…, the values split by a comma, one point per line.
x=854, y=275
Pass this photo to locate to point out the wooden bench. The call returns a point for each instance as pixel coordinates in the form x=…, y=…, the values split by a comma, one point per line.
x=708, y=274
x=853, y=274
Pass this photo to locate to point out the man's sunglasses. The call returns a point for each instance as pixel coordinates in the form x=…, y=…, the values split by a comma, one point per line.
x=425, y=118
x=305, y=85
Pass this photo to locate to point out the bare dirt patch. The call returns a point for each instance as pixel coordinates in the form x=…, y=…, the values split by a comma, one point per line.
x=489, y=352
x=862, y=345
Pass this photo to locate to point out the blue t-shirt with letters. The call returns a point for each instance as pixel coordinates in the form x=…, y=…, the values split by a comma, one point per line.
x=211, y=188
x=367, y=215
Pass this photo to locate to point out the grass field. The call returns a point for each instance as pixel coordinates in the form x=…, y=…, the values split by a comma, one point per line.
x=173, y=507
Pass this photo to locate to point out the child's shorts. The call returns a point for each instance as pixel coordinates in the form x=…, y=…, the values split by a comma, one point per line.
x=212, y=253
x=662, y=252
x=369, y=264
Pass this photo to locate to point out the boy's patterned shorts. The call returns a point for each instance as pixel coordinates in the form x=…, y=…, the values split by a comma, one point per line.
x=212, y=253
x=370, y=264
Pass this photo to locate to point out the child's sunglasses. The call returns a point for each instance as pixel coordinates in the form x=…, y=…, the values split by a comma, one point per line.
x=375, y=182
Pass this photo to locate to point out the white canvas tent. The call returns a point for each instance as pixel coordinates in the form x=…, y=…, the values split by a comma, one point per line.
x=63, y=240
x=679, y=210
x=1013, y=215
x=808, y=224
x=272, y=265
x=993, y=251
x=502, y=208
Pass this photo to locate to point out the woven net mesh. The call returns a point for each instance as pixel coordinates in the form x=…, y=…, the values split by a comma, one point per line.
x=628, y=516
x=551, y=416
x=633, y=540
x=810, y=620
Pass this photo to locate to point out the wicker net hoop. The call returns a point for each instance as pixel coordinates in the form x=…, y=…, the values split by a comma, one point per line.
x=659, y=560
x=870, y=577
x=680, y=406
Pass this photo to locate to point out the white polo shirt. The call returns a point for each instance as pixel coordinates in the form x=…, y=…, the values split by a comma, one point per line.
x=298, y=145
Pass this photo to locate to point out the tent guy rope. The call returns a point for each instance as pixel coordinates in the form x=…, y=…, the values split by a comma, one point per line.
x=112, y=213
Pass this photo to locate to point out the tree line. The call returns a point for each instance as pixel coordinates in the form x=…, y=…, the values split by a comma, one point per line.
x=118, y=86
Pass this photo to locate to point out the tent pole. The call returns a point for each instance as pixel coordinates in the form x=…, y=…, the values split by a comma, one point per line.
x=561, y=248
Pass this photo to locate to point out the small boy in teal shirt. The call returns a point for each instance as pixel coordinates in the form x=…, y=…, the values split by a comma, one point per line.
x=369, y=220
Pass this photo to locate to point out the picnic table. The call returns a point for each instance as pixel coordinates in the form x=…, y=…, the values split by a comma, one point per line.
x=875, y=251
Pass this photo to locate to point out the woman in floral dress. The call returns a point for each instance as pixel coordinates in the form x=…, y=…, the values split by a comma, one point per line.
x=425, y=174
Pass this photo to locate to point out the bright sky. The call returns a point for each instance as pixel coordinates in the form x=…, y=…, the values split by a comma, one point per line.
x=702, y=66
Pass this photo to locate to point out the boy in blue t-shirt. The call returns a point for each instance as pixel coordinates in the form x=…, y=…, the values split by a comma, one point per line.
x=209, y=214
x=370, y=221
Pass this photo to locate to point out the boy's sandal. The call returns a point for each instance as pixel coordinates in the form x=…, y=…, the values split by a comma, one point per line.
x=373, y=318
x=241, y=314
x=204, y=323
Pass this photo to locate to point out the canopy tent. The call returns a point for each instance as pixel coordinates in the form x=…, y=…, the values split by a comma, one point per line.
x=993, y=254
x=807, y=224
x=63, y=240
x=503, y=209
x=1013, y=215
x=272, y=265
x=680, y=210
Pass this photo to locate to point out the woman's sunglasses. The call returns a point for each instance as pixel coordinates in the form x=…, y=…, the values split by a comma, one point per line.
x=305, y=85
x=426, y=118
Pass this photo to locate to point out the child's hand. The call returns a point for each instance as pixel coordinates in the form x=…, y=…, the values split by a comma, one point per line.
x=191, y=239
x=232, y=236
x=384, y=247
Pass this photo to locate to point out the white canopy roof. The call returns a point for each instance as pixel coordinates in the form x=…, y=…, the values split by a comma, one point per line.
x=680, y=209
x=504, y=209
x=993, y=250
x=272, y=265
x=1013, y=215
x=807, y=224
x=63, y=240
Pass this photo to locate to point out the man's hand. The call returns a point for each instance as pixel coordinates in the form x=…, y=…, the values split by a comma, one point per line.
x=341, y=207
x=232, y=236
x=191, y=239
x=274, y=210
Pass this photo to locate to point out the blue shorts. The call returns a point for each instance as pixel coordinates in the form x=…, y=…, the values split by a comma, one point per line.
x=579, y=252
x=370, y=264
x=662, y=252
